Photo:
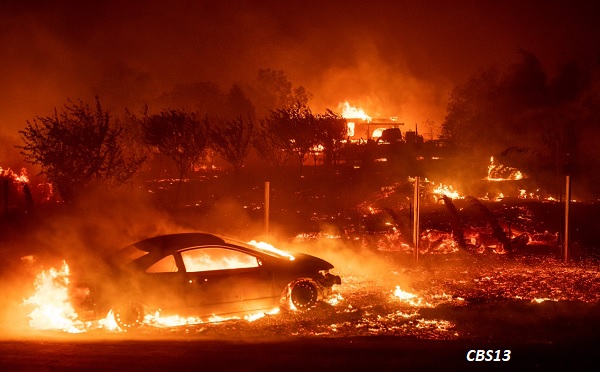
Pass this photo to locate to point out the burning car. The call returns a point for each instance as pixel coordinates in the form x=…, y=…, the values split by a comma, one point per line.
x=203, y=275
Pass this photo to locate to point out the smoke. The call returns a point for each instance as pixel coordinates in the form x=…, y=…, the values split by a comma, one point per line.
x=397, y=59
x=394, y=60
x=83, y=235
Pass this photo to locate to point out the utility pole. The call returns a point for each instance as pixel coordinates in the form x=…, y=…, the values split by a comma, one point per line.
x=567, y=213
x=267, y=197
x=416, y=219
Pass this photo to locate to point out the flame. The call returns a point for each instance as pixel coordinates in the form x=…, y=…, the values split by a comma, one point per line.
x=334, y=299
x=447, y=190
x=407, y=297
x=199, y=261
x=499, y=172
x=8, y=173
x=269, y=248
x=53, y=311
x=351, y=112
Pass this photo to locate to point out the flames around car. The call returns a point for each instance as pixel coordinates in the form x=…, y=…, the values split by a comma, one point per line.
x=203, y=275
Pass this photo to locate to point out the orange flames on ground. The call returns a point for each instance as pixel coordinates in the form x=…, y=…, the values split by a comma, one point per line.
x=447, y=190
x=407, y=297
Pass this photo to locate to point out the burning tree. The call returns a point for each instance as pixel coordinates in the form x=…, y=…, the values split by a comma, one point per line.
x=178, y=134
x=77, y=147
x=233, y=141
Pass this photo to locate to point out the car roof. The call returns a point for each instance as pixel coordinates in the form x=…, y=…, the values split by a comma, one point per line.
x=173, y=242
x=167, y=244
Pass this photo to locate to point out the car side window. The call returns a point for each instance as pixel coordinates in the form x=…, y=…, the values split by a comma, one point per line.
x=216, y=258
x=164, y=265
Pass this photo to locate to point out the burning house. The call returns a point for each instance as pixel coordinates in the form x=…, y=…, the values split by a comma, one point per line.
x=361, y=130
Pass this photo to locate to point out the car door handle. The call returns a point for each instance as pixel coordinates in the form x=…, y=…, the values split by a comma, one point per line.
x=199, y=281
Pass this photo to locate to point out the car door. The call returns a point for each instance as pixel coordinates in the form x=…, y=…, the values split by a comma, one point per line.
x=222, y=280
x=163, y=284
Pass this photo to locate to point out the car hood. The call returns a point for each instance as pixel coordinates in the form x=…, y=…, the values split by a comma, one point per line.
x=307, y=262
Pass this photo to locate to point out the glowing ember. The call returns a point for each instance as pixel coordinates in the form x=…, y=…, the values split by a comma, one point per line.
x=53, y=311
x=351, y=112
x=334, y=299
x=269, y=248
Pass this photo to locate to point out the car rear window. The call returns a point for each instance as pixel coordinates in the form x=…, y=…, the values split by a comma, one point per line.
x=129, y=254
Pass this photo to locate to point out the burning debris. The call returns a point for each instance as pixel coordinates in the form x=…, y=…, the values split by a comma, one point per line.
x=12, y=182
x=499, y=172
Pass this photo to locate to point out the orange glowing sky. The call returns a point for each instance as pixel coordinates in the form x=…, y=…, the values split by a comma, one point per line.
x=397, y=58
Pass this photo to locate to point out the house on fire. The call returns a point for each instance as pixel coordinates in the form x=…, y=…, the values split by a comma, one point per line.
x=360, y=130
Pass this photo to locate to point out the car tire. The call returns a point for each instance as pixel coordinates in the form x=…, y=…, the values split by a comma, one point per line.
x=302, y=294
x=129, y=316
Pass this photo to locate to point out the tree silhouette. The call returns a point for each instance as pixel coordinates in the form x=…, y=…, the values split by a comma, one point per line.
x=179, y=135
x=294, y=129
x=238, y=104
x=233, y=141
x=330, y=130
x=272, y=91
x=78, y=147
x=554, y=119
x=272, y=144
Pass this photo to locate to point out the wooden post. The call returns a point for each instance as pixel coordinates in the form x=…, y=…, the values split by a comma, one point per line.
x=416, y=219
x=267, y=196
x=567, y=212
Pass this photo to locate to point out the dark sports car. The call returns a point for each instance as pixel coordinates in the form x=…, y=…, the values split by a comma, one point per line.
x=199, y=274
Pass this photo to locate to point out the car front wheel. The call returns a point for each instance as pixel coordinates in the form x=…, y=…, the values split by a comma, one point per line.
x=301, y=294
x=129, y=316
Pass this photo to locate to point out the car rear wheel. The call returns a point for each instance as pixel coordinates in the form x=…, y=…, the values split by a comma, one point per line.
x=302, y=294
x=129, y=316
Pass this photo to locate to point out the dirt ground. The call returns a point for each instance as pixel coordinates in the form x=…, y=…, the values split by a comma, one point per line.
x=297, y=354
